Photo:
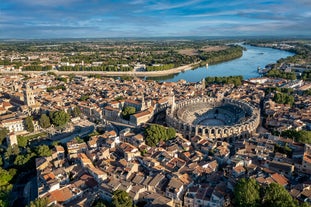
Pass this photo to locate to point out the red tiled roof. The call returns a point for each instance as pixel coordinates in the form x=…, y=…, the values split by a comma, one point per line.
x=280, y=179
x=60, y=195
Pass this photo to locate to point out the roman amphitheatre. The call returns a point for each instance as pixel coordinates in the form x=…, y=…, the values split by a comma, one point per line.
x=213, y=118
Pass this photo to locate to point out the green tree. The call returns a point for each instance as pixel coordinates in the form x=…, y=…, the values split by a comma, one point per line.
x=43, y=151
x=11, y=153
x=76, y=111
x=5, y=186
x=59, y=118
x=78, y=139
x=4, y=195
x=305, y=204
x=39, y=202
x=247, y=193
x=3, y=133
x=171, y=133
x=156, y=133
x=127, y=112
x=22, y=141
x=29, y=124
x=277, y=196
x=121, y=198
x=44, y=121
x=298, y=136
x=22, y=160
x=5, y=177
x=100, y=203
x=84, y=97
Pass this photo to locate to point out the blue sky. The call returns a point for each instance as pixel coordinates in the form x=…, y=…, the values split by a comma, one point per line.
x=155, y=18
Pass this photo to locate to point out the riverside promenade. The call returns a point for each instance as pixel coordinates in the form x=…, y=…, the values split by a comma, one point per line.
x=115, y=73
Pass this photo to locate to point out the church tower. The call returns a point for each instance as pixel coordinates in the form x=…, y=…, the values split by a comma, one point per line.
x=29, y=97
x=203, y=84
x=143, y=104
x=173, y=104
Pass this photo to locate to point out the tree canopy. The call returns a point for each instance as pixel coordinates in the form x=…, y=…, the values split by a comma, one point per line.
x=275, y=73
x=283, y=98
x=299, y=136
x=156, y=133
x=235, y=80
x=43, y=151
x=76, y=111
x=127, y=112
x=39, y=202
x=44, y=121
x=29, y=124
x=121, y=198
x=59, y=118
x=5, y=177
x=5, y=186
x=247, y=193
x=3, y=133
x=277, y=196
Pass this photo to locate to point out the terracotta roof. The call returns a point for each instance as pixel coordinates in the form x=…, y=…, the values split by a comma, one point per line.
x=142, y=113
x=49, y=176
x=280, y=179
x=307, y=158
x=60, y=195
x=239, y=169
x=59, y=148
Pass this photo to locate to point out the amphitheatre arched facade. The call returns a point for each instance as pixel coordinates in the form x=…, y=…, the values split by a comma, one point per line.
x=213, y=118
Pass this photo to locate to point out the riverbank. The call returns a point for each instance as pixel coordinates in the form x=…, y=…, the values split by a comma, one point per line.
x=246, y=65
x=114, y=73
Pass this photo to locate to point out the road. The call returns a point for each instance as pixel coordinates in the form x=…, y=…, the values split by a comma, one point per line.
x=116, y=73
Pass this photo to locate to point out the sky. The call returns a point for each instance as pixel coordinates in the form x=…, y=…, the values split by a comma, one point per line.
x=33, y=19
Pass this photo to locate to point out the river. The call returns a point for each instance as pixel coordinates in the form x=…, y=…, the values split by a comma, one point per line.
x=246, y=65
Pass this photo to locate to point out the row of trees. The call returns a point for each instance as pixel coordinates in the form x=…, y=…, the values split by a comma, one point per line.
x=53, y=88
x=236, y=80
x=283, y=90
x=94, y=68
x=37, y=68
x=248, y=193
x=156, y=133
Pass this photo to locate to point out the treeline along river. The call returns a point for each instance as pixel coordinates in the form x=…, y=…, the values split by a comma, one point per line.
x=252, y=58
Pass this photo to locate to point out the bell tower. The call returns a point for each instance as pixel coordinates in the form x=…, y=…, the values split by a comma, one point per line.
x=29, y=97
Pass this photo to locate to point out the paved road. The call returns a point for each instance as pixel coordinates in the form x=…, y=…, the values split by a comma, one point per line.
x=117, y=73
